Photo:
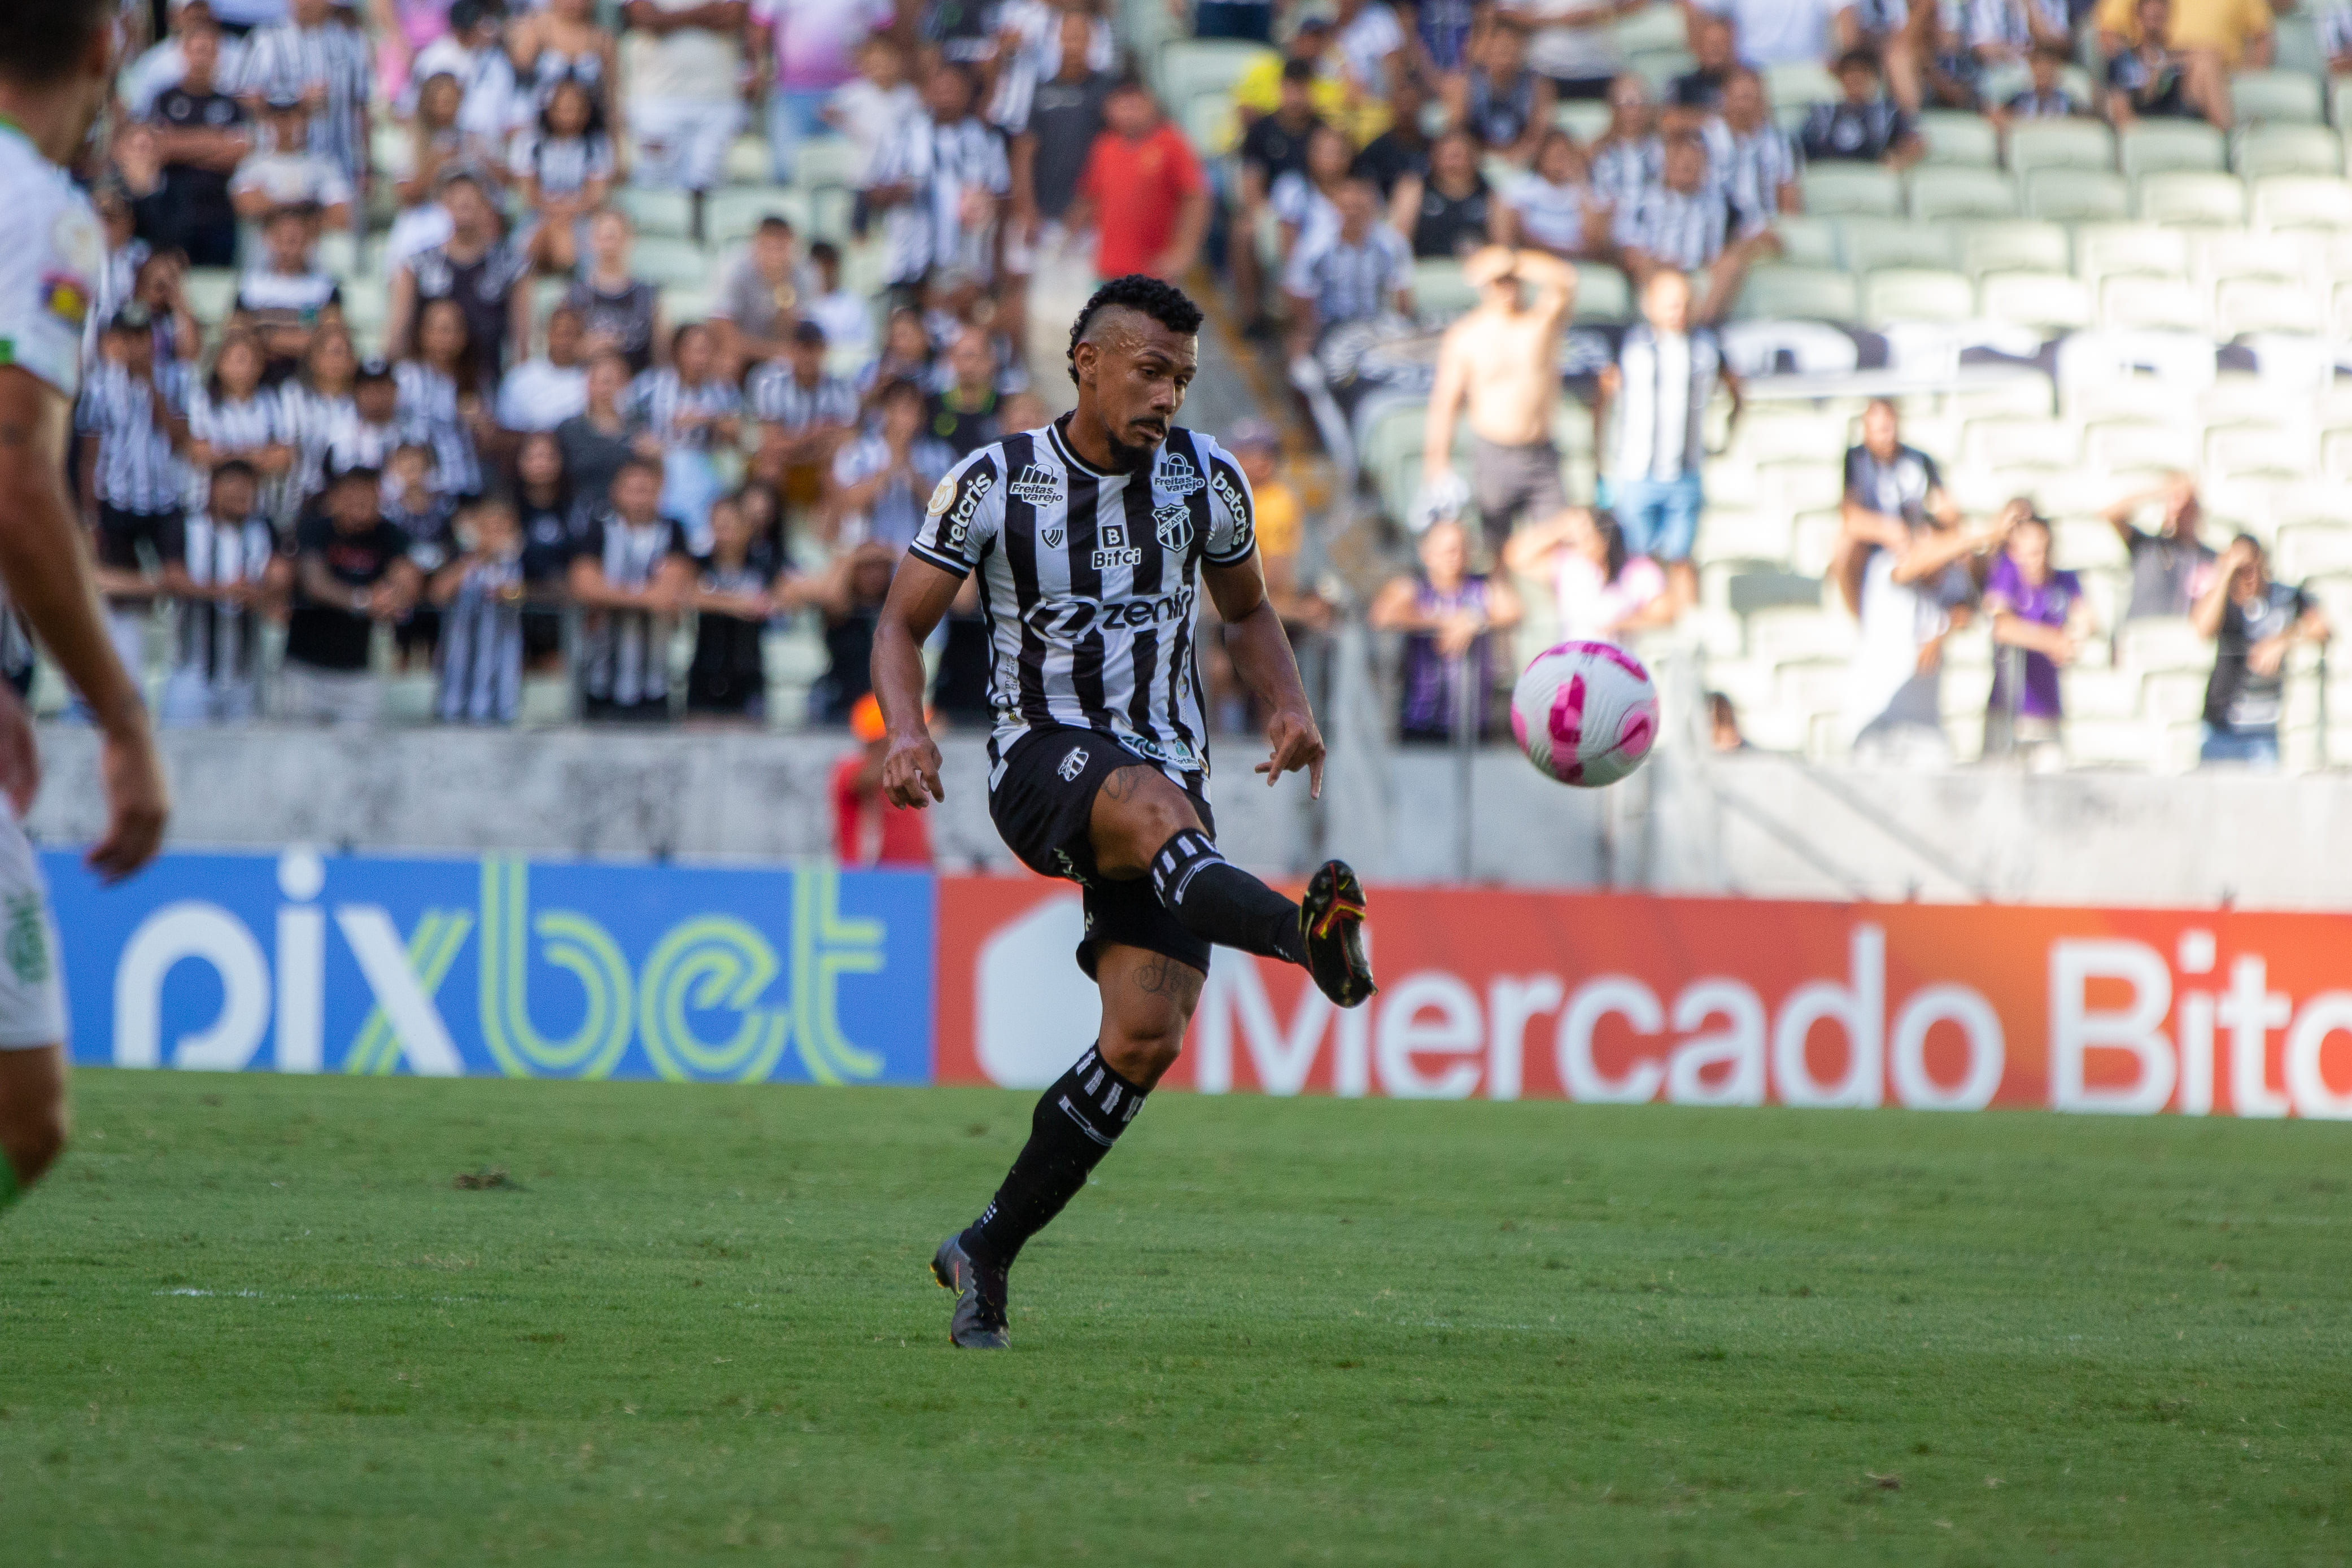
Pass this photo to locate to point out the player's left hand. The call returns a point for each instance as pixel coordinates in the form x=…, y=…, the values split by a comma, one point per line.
x=1297, y=744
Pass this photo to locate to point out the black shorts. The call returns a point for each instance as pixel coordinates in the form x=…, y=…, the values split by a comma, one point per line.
x=1044, y=808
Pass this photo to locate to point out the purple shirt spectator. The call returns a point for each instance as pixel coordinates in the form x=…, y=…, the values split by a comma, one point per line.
x=2047, y=604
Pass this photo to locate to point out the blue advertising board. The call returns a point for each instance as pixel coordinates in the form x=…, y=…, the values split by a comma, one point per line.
x=311, y=963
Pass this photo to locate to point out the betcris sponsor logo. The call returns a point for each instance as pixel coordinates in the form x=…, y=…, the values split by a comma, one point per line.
x=503, y=966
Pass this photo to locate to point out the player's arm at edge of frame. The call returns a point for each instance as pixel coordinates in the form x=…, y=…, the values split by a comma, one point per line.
x=919, y=596
x=1260, y=649
x=45, y=563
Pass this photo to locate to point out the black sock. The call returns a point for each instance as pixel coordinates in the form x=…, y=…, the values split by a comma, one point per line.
x=1221, y=903
x=1076, y=1123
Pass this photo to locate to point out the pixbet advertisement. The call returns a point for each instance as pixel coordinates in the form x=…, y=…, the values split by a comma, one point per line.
x=1620, y=998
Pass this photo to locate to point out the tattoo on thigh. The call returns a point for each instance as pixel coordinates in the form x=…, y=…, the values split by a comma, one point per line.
x=1161, y=975
x=1127, y=782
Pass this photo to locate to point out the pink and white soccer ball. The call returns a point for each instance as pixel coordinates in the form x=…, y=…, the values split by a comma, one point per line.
x=1585, y=713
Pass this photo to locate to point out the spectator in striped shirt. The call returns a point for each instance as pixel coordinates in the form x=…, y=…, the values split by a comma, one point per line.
x=1686, y=224
x=1553, y=207
x=563, y=172
x=1356, y=273
x=693, y=411
x=940, y=180
x=476, y=269
x=233, y=417
x=479, y=596
x=1864, y=126
x=2334, y=20
x=2046, y=98
x=882, y=480
x=1755, y=159
x=804, y=415
x=437, y=407
x=1627, y=156
x=318, y=55
x=632, y=572
x=133, y=423
x=285, y=170
x=735, y=591
x=285, y=296
x=231, y=576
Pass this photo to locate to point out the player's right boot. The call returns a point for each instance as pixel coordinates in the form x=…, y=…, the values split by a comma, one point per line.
x=979, y=1320
x=1332, y=925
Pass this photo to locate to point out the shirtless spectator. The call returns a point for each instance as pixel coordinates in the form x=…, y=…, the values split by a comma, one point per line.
x=2170, y=568
x=1501, y=360
x=1890, y=489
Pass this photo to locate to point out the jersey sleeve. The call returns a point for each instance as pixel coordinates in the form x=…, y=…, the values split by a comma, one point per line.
x=965, y=514
x=48, y=285
x=1232, y=513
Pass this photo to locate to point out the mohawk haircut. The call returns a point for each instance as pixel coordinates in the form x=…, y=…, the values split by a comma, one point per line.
x=41, y=41
x=1163, y=302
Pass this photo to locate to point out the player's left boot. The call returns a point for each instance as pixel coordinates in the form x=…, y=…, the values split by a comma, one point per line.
x=1332, y=925
x=979, y=1320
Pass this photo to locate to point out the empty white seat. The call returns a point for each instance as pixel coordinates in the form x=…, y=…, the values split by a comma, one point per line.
x=1791, y=633
x=2104, y=250
x=2188, y=197
x=2155, y=146
x=2302, y=201
x=1960, y=192
x=2289, y=150
x=2060, y=144
x=2308, y=548
x=2013, y=443
x=2076, y=195
x=2243, y=305
x=2086, y=544
x=2245, y=253
x=2282, y=96
x=1583, y=120
x=2035, y=298
x=1657, y=27
x=1806, y=240
x=2240, y=449
x=2008, y=245
x=734, y=213
x=1869, y=243
x=666, y=261
x=2156, y=642
x=1191, y=66
x=1959, y=137
x=1602, y=293
x=1916, y=294
x=1832, y=190
x=656, y=211
x=1798, y=83
x=1440, y=292
x=1734, y=533
x=2114, y=444
x=1797, y=293
x=2140, y=300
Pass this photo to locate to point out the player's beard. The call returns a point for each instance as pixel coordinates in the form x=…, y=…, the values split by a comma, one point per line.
x=1126, y=459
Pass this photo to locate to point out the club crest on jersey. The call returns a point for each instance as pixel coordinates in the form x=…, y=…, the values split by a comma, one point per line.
x=1116, y=550
x=1073, y=764
x=1177, y=476
x=1173, y=523
x=1038, y=487
x=1053, y=537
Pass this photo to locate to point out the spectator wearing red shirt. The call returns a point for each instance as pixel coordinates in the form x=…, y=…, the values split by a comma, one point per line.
x=1142, y=190
x=868, y=830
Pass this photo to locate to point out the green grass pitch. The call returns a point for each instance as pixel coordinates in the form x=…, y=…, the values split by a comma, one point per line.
x=251, y=1320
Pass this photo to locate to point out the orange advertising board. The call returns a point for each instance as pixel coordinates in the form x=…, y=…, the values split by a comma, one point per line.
x=1628, y=998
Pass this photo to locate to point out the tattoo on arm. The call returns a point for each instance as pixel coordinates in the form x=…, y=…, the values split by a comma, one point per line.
x=1164, y=977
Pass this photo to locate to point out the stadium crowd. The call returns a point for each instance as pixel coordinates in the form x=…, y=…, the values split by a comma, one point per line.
x=451, y=414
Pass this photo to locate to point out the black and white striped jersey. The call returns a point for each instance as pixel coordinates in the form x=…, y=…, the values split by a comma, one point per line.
x=1090, y=582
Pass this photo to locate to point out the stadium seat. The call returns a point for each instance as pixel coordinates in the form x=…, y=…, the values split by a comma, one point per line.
x=2289, y=150
x=1916, y=294
x=1211, y=123
x=1868, y=245
x=1800, y=84
x=2242, y=449
x=2043, y=299
x=1837, y=190
x=1657, y=27
x=211, y=291
x=2076, y=195
x=2114, y=444
x=732, y=213
x=2086, y=544
x=669, y=262
x=2245, y=253
x=2309, y=549
x=1583, y=120
x=1188, y=68
x=2159, y=643
x=1791, y=633
x=2302, y=201
x=1959, y=137
x=2019, y=443
x=1440, y=292
x=1951, y=193
x=1807, y=240
x=2138, y=300
x=1659, y=66
x=2014, y=245
x=1602, y=294
x=2163, y=146
x=2296, y=47
x=2187, y=196
x=2060, y=144
x=749, y=161
x=2246, y=305
x=656, y=211
x=821, y=160
x=2286, y=98
x=2106, y=250
x=1775, y=292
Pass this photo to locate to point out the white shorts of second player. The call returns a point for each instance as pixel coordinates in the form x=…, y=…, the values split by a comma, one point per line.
x=682, y=143
x=32, y=992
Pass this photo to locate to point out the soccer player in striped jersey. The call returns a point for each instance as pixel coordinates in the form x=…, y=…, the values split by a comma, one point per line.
x=1093, y=536
x=57, y=70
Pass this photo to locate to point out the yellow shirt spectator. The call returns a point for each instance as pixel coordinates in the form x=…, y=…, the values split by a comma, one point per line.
x=2228, y=27
x=1259, y=91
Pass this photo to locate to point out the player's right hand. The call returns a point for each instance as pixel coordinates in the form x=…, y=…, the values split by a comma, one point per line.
x=137, y=802
x=910, y=771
